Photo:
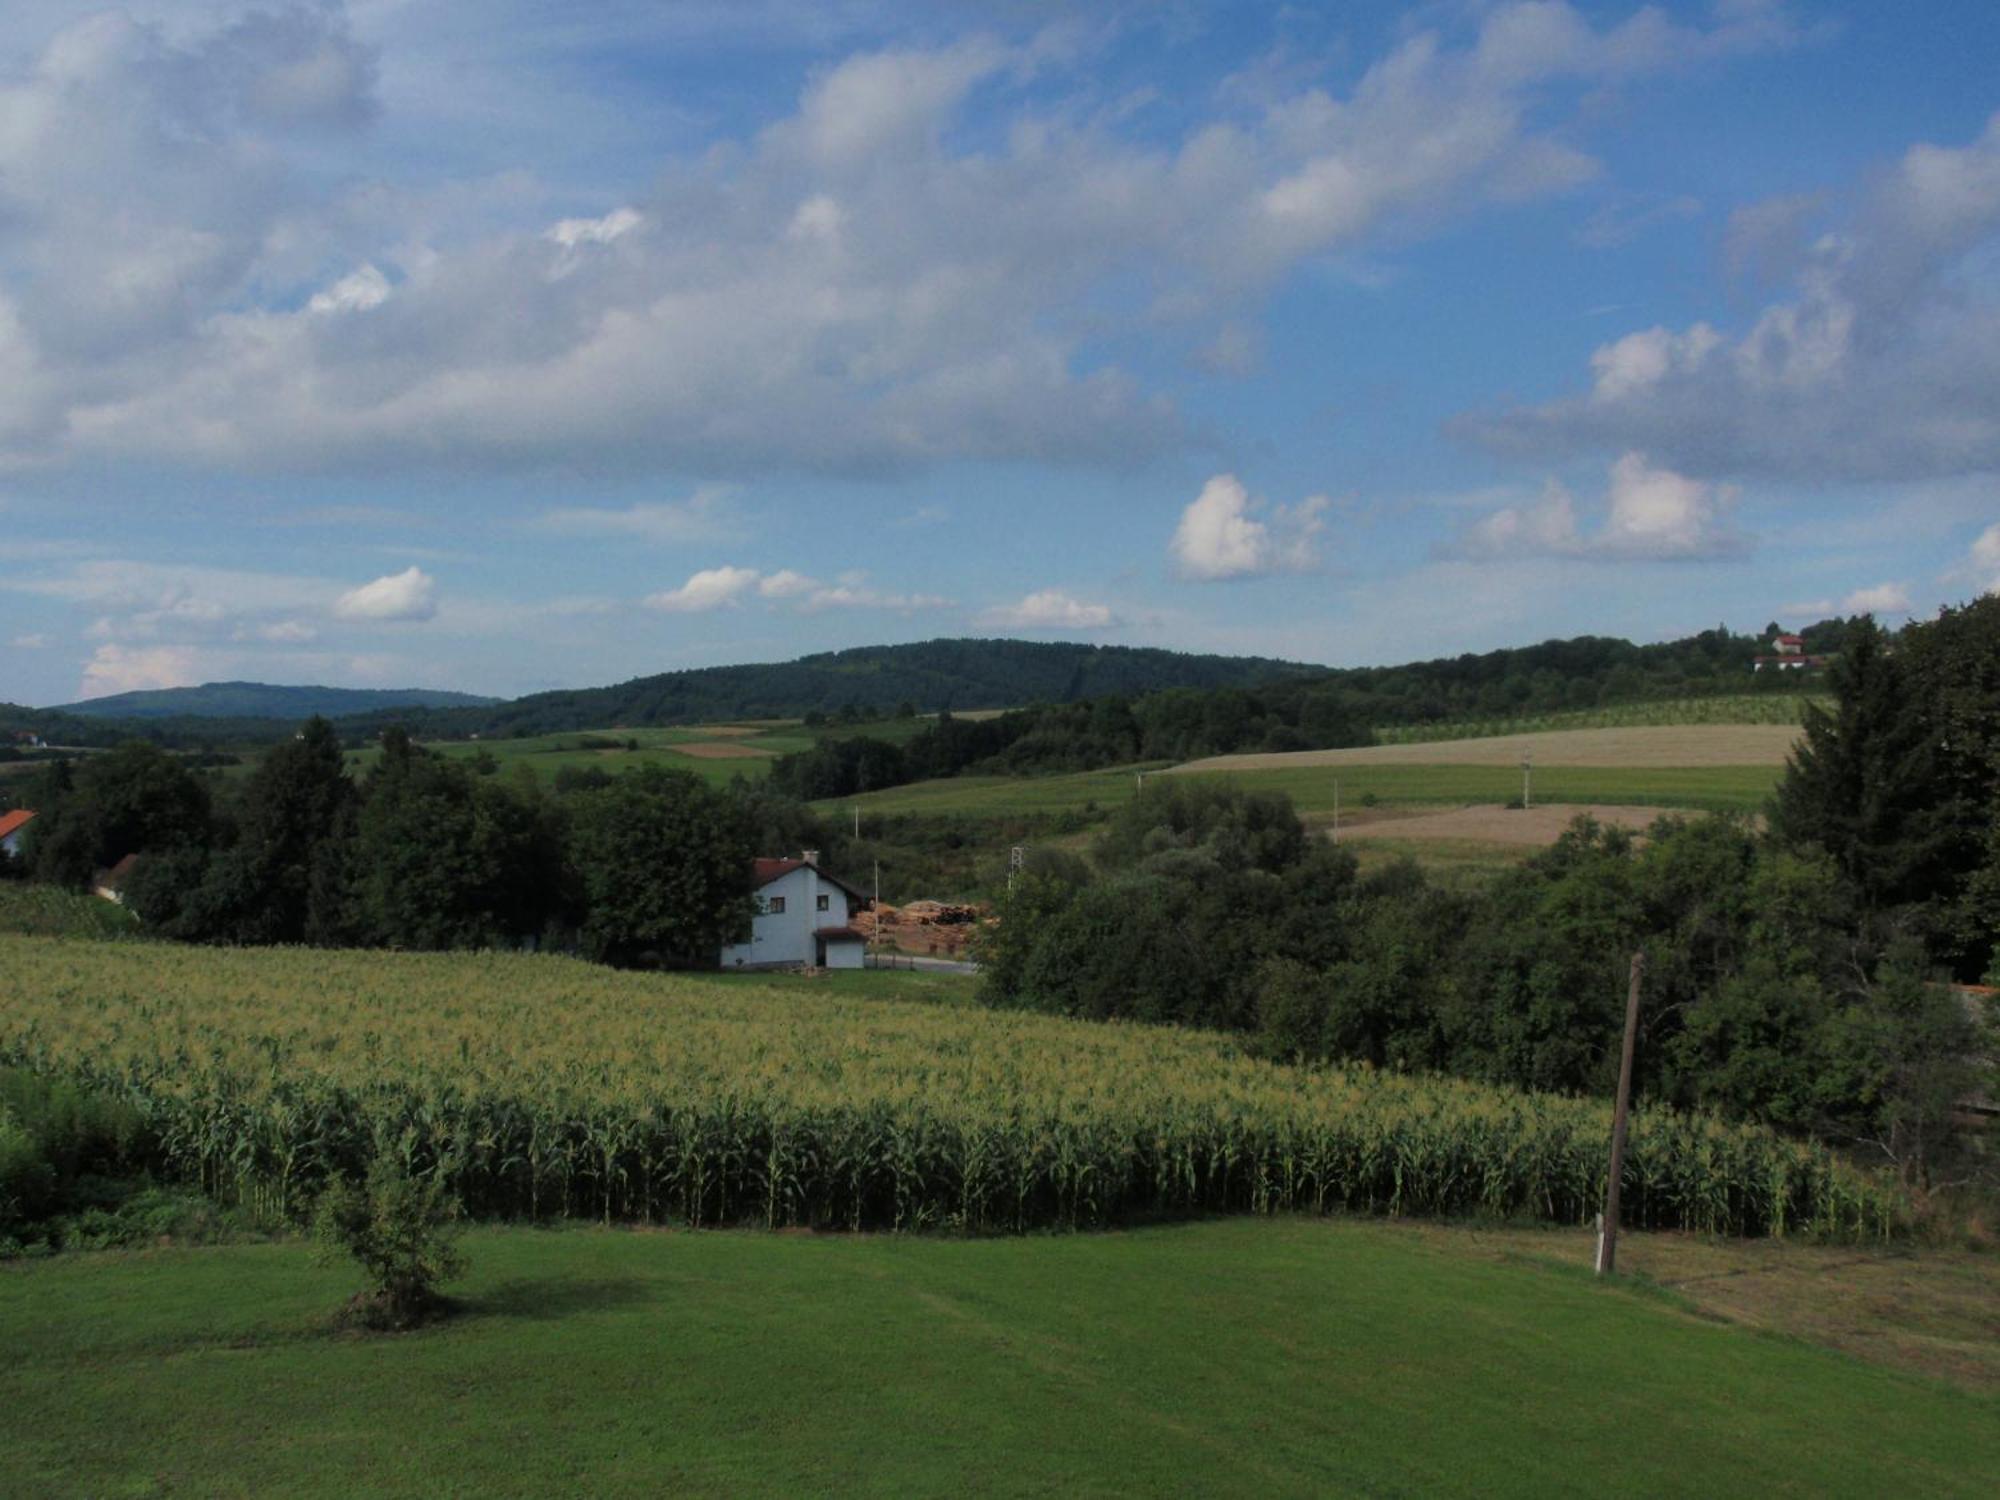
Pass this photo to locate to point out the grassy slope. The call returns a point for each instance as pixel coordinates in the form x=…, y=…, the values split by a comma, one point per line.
x=1292, y=1357
x=1714, y=788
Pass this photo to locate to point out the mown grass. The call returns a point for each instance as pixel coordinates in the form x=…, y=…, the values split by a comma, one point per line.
x=1287, y=1357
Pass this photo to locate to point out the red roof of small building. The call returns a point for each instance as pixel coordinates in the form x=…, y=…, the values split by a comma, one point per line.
x=766, y=871
x=1791, y=640
x=13, y=822
x=115, y=877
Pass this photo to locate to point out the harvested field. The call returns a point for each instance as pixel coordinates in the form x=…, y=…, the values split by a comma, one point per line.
x=721, y=750
x=1533, y=827
x=1642, y=747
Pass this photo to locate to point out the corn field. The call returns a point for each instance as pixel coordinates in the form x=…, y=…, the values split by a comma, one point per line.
x=1727, y=708
x=541, y=1087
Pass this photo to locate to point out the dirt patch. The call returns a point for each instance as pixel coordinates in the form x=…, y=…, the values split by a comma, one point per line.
x=720, y=750
x=1643, y=747
x=1532, y=827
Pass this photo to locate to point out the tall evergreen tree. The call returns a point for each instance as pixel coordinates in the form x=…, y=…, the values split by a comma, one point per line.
x=1867, y=784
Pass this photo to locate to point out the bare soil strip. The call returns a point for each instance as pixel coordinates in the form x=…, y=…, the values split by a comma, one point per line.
x=1650, y=746
x=1534, y=827
x=720, y=750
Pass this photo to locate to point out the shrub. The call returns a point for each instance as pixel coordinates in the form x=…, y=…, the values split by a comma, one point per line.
x=402, y=1232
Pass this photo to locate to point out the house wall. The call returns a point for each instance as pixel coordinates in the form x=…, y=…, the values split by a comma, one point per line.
x=787, y=937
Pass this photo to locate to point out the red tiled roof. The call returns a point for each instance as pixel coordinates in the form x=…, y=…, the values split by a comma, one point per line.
x=14, y=822
x=766, y=871
x=117, y=874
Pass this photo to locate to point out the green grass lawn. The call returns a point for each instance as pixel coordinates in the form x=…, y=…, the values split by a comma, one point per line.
x=1288, y=1357
x=1710, y=788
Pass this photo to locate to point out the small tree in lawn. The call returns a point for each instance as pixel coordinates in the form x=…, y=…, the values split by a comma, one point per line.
x=402, y=1232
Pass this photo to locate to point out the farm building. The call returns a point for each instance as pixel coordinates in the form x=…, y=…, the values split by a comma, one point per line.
x=110, y=883
x=13, y=825
x=1788, y=654
x=804, y=919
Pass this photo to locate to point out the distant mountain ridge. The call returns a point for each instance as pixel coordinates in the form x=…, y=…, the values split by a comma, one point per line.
x=929, y=675
x=263, y=700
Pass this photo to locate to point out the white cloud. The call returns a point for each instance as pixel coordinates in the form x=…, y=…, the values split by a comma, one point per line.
x=364, y=289
x=570, y=233
x=860, y=286
x=1984, y=560
x=408, y=595
x=1883, y=363
x=711, y=588
x=123, y=669
x=1651, y=514
x=1049, y=609
x=1220, y=534
x=32, y=642
x=1881, y=599
x=787, y=584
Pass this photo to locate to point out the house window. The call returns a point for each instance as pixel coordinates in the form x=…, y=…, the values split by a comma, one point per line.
x=775, y=906
x=822, y=903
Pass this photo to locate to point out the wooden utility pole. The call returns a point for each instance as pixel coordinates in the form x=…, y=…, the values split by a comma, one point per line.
x=1527, y=782
x=1607, y=1228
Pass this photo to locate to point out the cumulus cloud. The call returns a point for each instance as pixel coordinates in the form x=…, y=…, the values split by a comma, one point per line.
x=364, y=289
x=711, y=588
x=1049, y=609
x=1983, y=560
x=1650, y=513
x=787, y=584
x=1223, y=533
x=858, y=286
x=406, y=596
x=113, y=668
x=1880, y=599
x=1882, y=364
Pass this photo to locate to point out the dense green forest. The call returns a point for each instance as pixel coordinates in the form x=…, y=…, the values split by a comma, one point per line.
x=262, y=700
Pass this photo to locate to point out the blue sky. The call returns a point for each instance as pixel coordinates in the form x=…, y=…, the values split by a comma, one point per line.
x=520, y=344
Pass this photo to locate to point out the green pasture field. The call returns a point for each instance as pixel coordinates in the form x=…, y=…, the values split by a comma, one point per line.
x=1277, y=1357
x=1312, y=788
x=545, y=754
x=1732, y=708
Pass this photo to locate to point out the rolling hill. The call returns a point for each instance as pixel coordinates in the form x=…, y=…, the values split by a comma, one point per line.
x=263, y=700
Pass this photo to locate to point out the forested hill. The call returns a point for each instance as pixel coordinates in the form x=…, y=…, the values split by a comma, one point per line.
x=262, y=700
x=929, y=675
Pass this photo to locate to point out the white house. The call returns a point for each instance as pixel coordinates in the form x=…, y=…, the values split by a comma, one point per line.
x=802, y=920
x=13, y=826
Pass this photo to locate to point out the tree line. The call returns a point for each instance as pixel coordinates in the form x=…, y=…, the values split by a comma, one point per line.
x=420, y=852
x=1792, y=971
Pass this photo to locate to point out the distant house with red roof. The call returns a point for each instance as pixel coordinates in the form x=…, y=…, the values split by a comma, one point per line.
x=803, y=919
x=1788, y=654
x=13, y=826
